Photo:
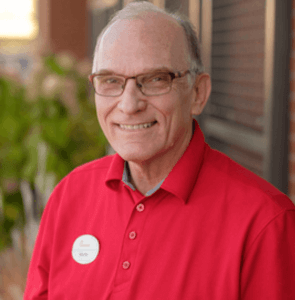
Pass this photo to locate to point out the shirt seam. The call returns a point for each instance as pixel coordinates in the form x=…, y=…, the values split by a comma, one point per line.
x=263, y=229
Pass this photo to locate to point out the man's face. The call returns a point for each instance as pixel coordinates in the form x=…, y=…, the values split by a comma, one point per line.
x=131, y=47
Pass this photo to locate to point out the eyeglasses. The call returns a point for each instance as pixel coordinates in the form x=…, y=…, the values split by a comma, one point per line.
x=150, y=84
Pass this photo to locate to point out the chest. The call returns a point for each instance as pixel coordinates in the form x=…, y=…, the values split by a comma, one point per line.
x=157, y=247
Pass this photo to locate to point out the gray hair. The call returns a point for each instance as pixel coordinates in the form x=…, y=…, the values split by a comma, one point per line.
x=137, y=10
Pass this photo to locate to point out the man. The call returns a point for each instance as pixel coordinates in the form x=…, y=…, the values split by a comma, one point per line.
x=166, y=217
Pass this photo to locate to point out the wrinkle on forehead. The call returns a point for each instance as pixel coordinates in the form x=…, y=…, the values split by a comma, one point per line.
x=152, y=29
x=148, y=21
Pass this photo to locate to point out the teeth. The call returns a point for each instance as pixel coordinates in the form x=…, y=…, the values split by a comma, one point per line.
x=138, y=126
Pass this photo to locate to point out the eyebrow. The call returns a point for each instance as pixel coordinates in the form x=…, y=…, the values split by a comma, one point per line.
x=147, y=70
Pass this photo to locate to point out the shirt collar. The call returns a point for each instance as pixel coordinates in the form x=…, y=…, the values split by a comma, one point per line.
x=181, y=180
x=184, y=174
x=115, y=171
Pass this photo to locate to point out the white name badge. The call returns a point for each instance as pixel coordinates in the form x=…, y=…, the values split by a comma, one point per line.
x=85, y=249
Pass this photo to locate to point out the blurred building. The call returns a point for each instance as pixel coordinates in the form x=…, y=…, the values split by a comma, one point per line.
x=248, y=47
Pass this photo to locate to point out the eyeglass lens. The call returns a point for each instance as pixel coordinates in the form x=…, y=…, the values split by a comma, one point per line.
x=150, y=84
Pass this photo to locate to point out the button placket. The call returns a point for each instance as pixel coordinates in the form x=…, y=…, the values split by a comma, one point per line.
x=131, y=243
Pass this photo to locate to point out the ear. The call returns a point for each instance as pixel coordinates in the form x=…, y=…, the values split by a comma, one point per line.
x=202, y=90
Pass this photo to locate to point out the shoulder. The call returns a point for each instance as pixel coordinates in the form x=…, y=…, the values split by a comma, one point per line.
x=243, y=185
x=243, y=200
x=89, y=174
x=80, y=184
x=98, y=164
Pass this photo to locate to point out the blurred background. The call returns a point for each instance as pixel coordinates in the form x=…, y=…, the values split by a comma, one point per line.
x=48, y=124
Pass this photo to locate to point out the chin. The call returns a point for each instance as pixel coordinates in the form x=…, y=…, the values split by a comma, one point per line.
x=135, y=155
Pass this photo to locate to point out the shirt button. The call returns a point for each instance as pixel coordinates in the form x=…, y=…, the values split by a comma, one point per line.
x=140, y=207
x=132, y=235
x=126, y=265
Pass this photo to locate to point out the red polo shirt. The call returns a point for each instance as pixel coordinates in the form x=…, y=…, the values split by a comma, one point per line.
x=212, y=231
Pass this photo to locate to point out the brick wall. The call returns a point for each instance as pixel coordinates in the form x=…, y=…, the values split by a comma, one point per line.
x=292, y=112
x=64, y=26
x=237, y=99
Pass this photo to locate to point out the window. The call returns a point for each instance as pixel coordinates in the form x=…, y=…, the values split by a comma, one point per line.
x=18, y=19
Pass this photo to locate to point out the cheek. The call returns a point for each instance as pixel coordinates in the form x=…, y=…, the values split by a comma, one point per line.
x=180, y=106
x=103, y=110
x=99, y=115
x=185, y=106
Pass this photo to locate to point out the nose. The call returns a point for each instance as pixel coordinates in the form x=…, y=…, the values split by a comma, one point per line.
x=132, y=100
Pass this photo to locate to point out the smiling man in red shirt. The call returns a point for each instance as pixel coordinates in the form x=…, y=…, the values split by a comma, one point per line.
x=166, y=217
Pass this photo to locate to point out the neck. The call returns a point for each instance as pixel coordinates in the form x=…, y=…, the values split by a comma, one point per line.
x=146, y=175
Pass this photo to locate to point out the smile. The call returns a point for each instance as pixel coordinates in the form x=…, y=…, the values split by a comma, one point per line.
x=137, y=126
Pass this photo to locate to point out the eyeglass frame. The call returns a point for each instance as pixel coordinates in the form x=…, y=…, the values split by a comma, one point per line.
x=173, y=75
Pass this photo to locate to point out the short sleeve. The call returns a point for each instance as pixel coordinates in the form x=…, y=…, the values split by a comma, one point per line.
x=268, y=269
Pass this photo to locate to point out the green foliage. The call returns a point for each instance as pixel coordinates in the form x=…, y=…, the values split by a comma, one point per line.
x=51, y=108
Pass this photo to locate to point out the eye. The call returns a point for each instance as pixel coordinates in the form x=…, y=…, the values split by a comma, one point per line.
x=158, y=78
x=112, y=80
x=155, y=78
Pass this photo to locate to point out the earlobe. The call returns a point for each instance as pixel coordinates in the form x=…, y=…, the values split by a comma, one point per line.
x=202, y=88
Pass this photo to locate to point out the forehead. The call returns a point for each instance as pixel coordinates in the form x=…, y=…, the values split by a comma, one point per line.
x=132, y=46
